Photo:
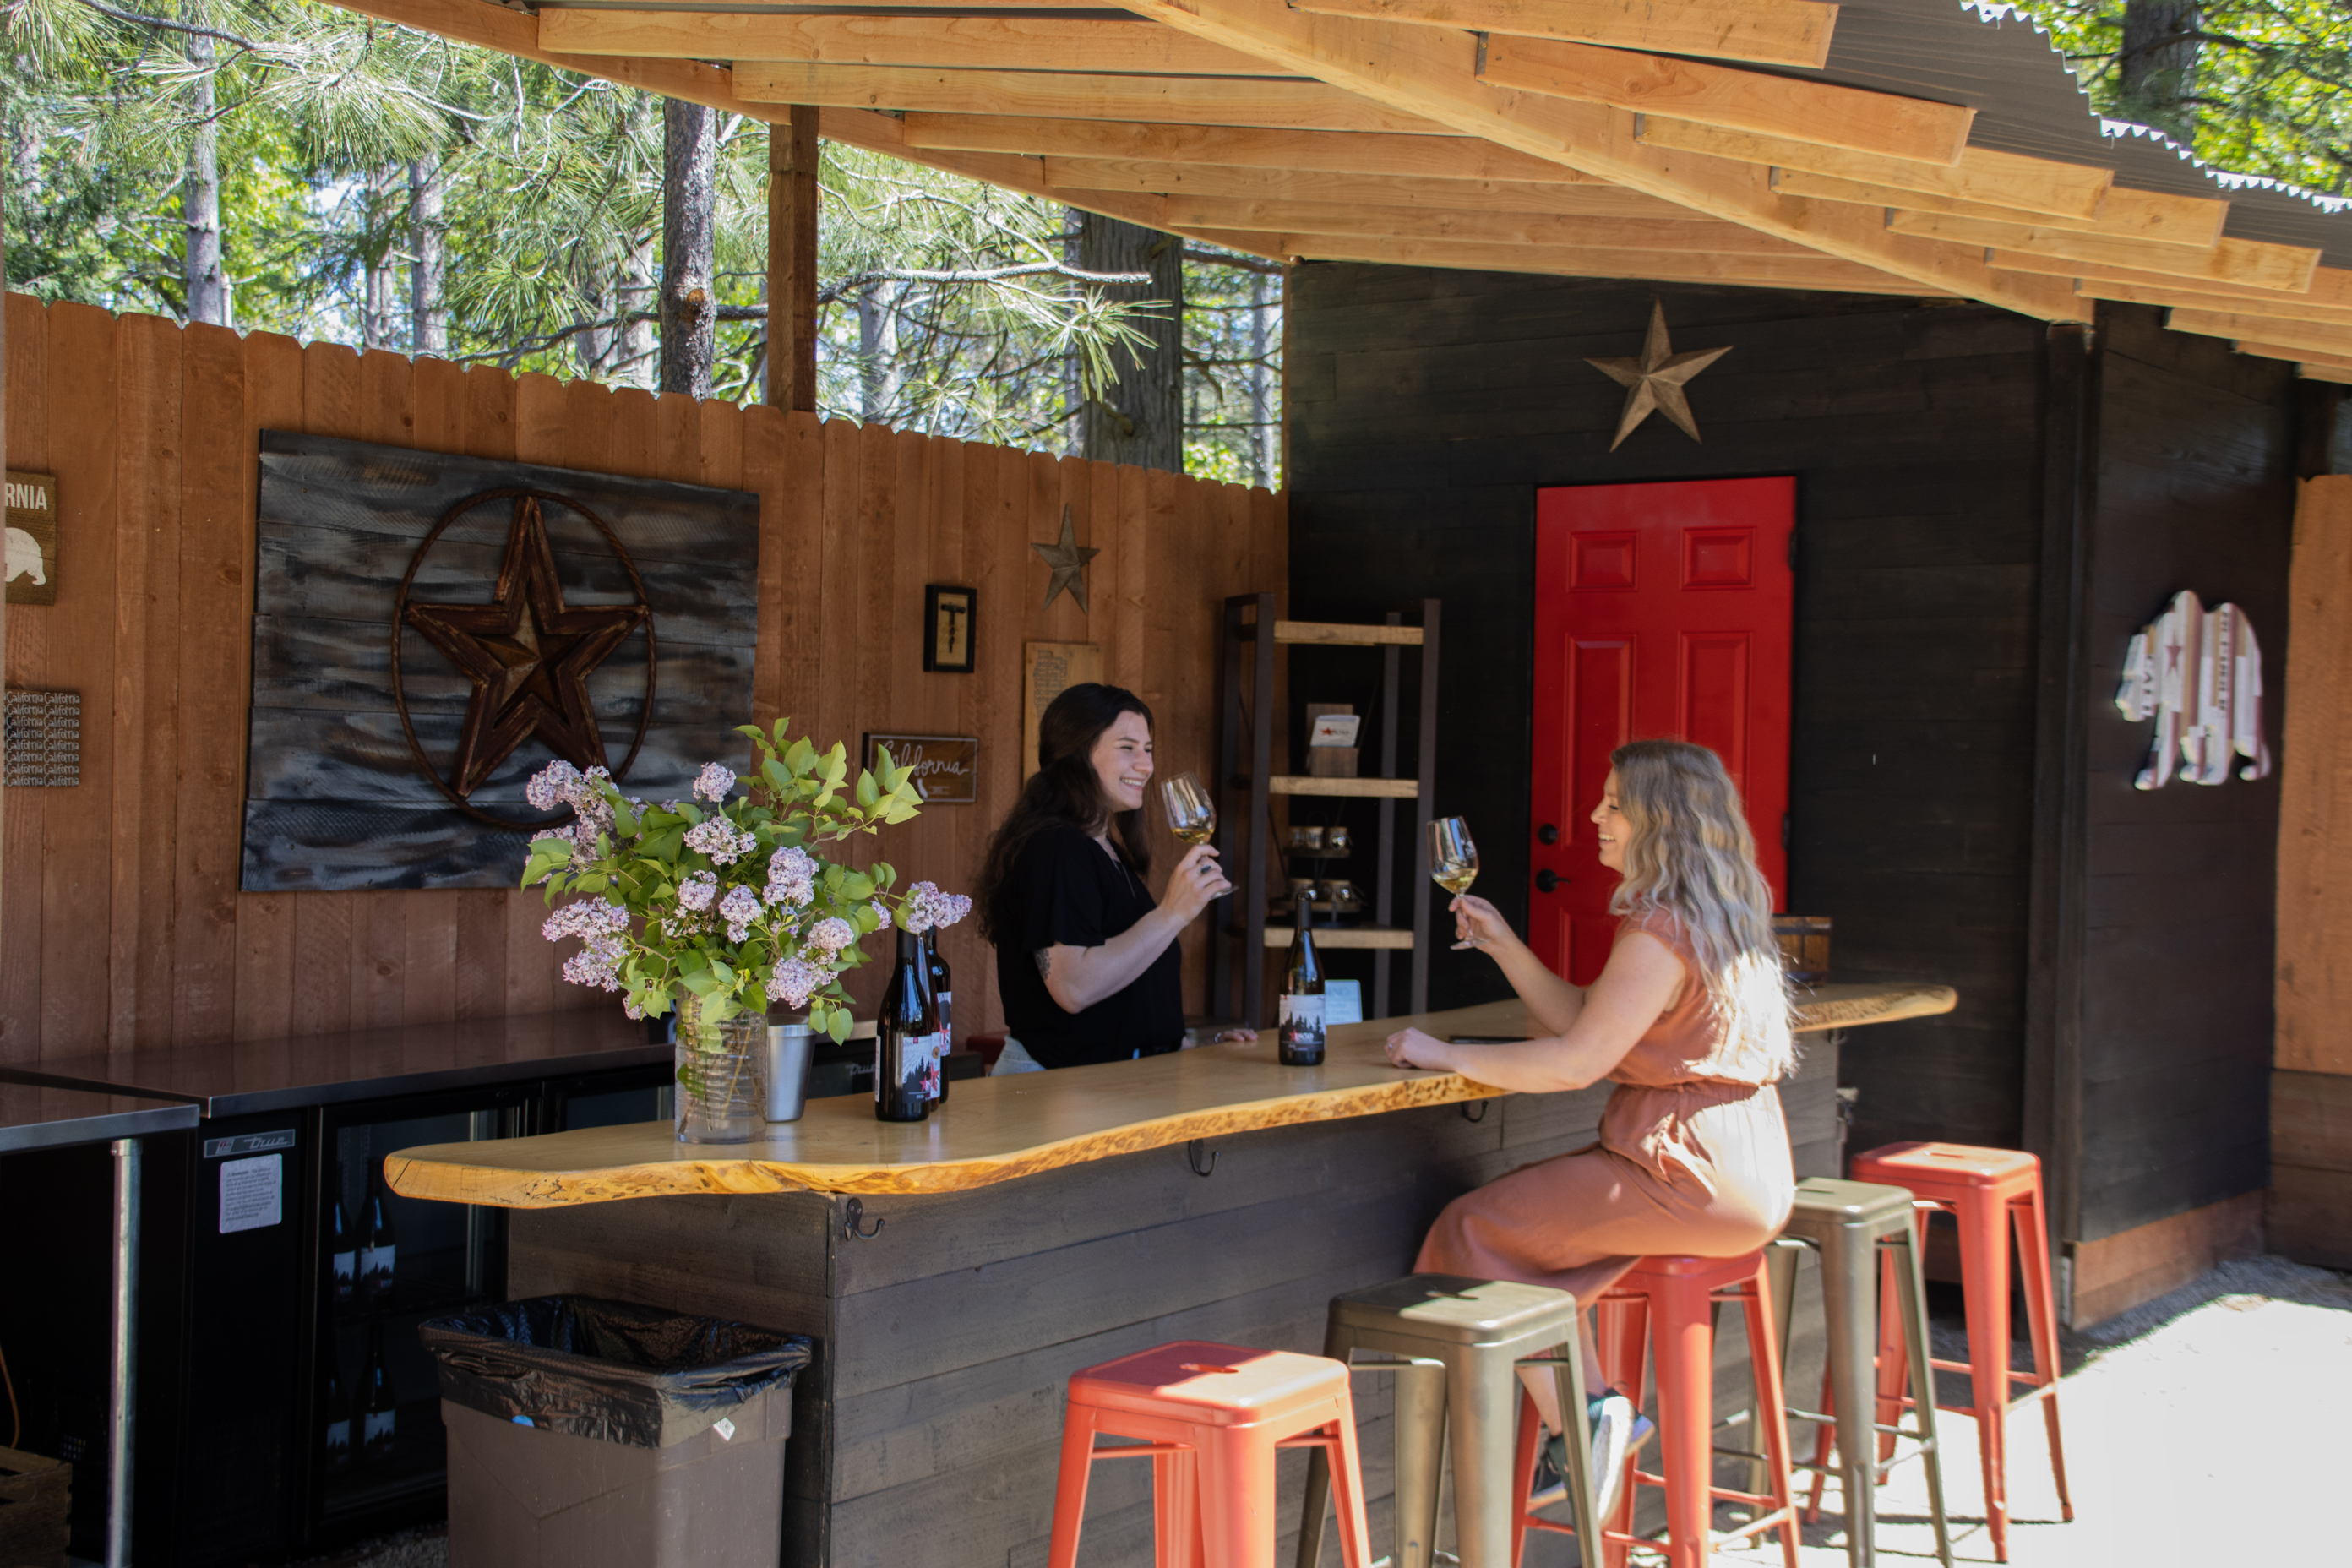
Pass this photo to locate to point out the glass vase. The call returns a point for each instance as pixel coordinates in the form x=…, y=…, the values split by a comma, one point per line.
x=722, y=1070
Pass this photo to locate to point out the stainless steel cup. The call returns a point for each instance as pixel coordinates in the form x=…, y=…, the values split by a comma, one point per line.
x=791, y=1047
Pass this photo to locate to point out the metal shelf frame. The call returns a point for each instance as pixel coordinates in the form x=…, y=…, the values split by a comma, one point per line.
x=1246, y=774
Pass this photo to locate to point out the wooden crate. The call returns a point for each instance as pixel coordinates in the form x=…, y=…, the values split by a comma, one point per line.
x=36, y=1494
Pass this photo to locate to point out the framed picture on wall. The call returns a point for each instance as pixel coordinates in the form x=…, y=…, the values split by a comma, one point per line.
x=948, y=628
x=947, y=766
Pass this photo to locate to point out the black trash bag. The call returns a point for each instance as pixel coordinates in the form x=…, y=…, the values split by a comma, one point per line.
x=608, y=1369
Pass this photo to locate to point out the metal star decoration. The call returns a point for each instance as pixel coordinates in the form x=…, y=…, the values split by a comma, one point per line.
x=1657, y=379
x=1068, y=559
x=529, y=657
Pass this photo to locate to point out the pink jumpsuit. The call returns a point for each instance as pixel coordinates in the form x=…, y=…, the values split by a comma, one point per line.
x=1693, y=1161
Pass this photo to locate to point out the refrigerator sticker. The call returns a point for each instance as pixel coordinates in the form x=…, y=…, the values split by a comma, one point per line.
x=250, y=1191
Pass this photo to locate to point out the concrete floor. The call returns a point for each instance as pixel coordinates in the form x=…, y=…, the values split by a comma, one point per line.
x=2204, y=1427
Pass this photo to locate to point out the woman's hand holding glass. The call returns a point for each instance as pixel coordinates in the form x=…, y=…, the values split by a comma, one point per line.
x=1197, y=880
x=1477, y=923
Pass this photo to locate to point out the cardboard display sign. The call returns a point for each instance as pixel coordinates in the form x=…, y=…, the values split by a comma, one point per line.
x=32, y=538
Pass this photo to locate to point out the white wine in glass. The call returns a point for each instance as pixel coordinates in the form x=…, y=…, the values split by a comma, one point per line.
x=1192, y=815
x=1453, y=859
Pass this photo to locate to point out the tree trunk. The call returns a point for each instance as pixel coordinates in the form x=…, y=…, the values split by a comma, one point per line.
x=1138, y=419
x=877, y=352
x=689, y=315
x=383, y=279
x=204, y=273
x=2160, y=64
x=1261, y=388
x=632, y=290
x=428, y=316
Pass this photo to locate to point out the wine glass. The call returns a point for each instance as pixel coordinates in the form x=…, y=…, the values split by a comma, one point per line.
x=1453, y=859
x=1191, y=814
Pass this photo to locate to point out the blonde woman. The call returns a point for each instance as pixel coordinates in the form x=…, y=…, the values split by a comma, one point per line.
x=1690, y=1020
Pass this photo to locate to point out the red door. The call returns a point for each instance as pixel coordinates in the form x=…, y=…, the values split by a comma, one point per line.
x=1662, y=612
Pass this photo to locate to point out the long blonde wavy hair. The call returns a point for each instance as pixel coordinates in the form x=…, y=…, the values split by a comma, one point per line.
x=1690, y=855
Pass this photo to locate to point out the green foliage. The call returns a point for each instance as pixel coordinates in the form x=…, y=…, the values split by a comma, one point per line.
x=2271, y=93
x=1232, y=368
x=662, y=875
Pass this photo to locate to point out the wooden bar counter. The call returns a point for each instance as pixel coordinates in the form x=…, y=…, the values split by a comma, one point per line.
x=955, y=1272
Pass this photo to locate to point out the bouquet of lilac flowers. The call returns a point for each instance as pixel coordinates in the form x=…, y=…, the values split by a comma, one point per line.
x=718, y=904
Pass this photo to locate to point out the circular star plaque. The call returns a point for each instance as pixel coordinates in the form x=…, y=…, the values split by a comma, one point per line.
x=528, y=654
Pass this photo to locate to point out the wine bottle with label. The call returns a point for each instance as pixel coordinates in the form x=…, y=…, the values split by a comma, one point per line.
x=380, y=1411
x=376, y=1257
x=335, y=1417
x=943, y=1003
x=342, y=1250
x=1299, y=1043
x=902, y=1033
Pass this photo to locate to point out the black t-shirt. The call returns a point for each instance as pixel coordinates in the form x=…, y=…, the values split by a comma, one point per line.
x=1065, y=889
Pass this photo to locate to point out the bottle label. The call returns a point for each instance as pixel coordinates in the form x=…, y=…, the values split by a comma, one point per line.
x=339, y=1438
x=1302, y=1021
x=346, y=1267
x=946, y=1020
x=375, y=1267
x=379, y=1427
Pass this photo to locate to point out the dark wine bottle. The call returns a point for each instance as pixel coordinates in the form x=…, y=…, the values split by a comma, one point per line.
x=342, y=1250
x=376, y=1257
x=335, y=1417
x=380, y=1412
x=1300, y=1042
x=944, y=1004
x=901, y=1039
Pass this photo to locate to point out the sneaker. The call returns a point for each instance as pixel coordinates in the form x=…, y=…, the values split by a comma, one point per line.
x=1619, y=1429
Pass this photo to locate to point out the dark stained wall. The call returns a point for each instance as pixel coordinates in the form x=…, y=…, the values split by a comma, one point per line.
x=1425, y=407
x=2194, y=488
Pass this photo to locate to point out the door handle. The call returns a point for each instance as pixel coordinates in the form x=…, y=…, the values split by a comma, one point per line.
x=1548, y=834
x=1546, y=880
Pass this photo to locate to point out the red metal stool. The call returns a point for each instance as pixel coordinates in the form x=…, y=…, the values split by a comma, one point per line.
x=1211, y=1417
x=1670, y=1302
x=1989, y=1191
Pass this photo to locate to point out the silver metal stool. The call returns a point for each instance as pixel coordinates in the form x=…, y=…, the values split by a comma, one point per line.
x=1459, y=1345
x=1852, y=1225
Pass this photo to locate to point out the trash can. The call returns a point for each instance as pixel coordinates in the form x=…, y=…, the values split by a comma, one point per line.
x=584, y=1433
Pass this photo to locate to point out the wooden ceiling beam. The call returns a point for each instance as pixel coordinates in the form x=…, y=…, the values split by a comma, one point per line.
x=1180, y=99
x=1277, y=185
x=2128, y=214
x=1880, y=124
x=1097, y=44
x=2307, y=337
x=2301, y=356
x=1557, y=231
x=1996, y=179
x=2243, y=261
x=1432, y=72
x=1302, y=152
x=2285, y=306
x=1760, y=32
x=2329, y=285
x=1662, y=266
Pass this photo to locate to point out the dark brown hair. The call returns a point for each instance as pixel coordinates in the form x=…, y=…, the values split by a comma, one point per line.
x=1063, y=791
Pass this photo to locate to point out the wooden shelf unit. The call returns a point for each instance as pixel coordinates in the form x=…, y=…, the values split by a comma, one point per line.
x=1248, y=782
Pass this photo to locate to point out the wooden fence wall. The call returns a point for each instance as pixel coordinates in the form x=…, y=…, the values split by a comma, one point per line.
x=123, y=923
x=2310, y=1205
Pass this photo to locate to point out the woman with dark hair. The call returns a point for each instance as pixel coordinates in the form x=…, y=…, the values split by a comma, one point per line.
x=1086, y=960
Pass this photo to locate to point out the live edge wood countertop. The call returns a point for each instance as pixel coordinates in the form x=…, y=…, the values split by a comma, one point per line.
x=995, y=1129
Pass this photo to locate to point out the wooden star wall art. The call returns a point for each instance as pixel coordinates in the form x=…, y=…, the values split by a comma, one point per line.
x=1068, y=559
x=1656, y=379
x=431, y=630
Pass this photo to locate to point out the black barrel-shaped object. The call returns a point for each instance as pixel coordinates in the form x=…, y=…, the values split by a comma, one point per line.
x=587, y=1433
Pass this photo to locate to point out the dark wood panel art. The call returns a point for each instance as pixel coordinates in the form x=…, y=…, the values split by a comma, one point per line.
x=534, y=612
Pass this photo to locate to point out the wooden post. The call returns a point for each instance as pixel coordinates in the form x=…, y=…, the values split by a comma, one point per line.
x=791, y=260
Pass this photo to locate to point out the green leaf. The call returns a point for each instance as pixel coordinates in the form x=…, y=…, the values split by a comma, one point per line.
x=866, y=794
x=700, y=982
x=718, y=968
x=837, y=1027
x=857, y=885
x=799, y=756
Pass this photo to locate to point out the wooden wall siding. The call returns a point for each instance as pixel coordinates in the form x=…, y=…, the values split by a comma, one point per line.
x=2194, y=488
x=1427, y=407
x=925, y=1434
x=2314, y=988
x=2308, y=1210
x=123, y=924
